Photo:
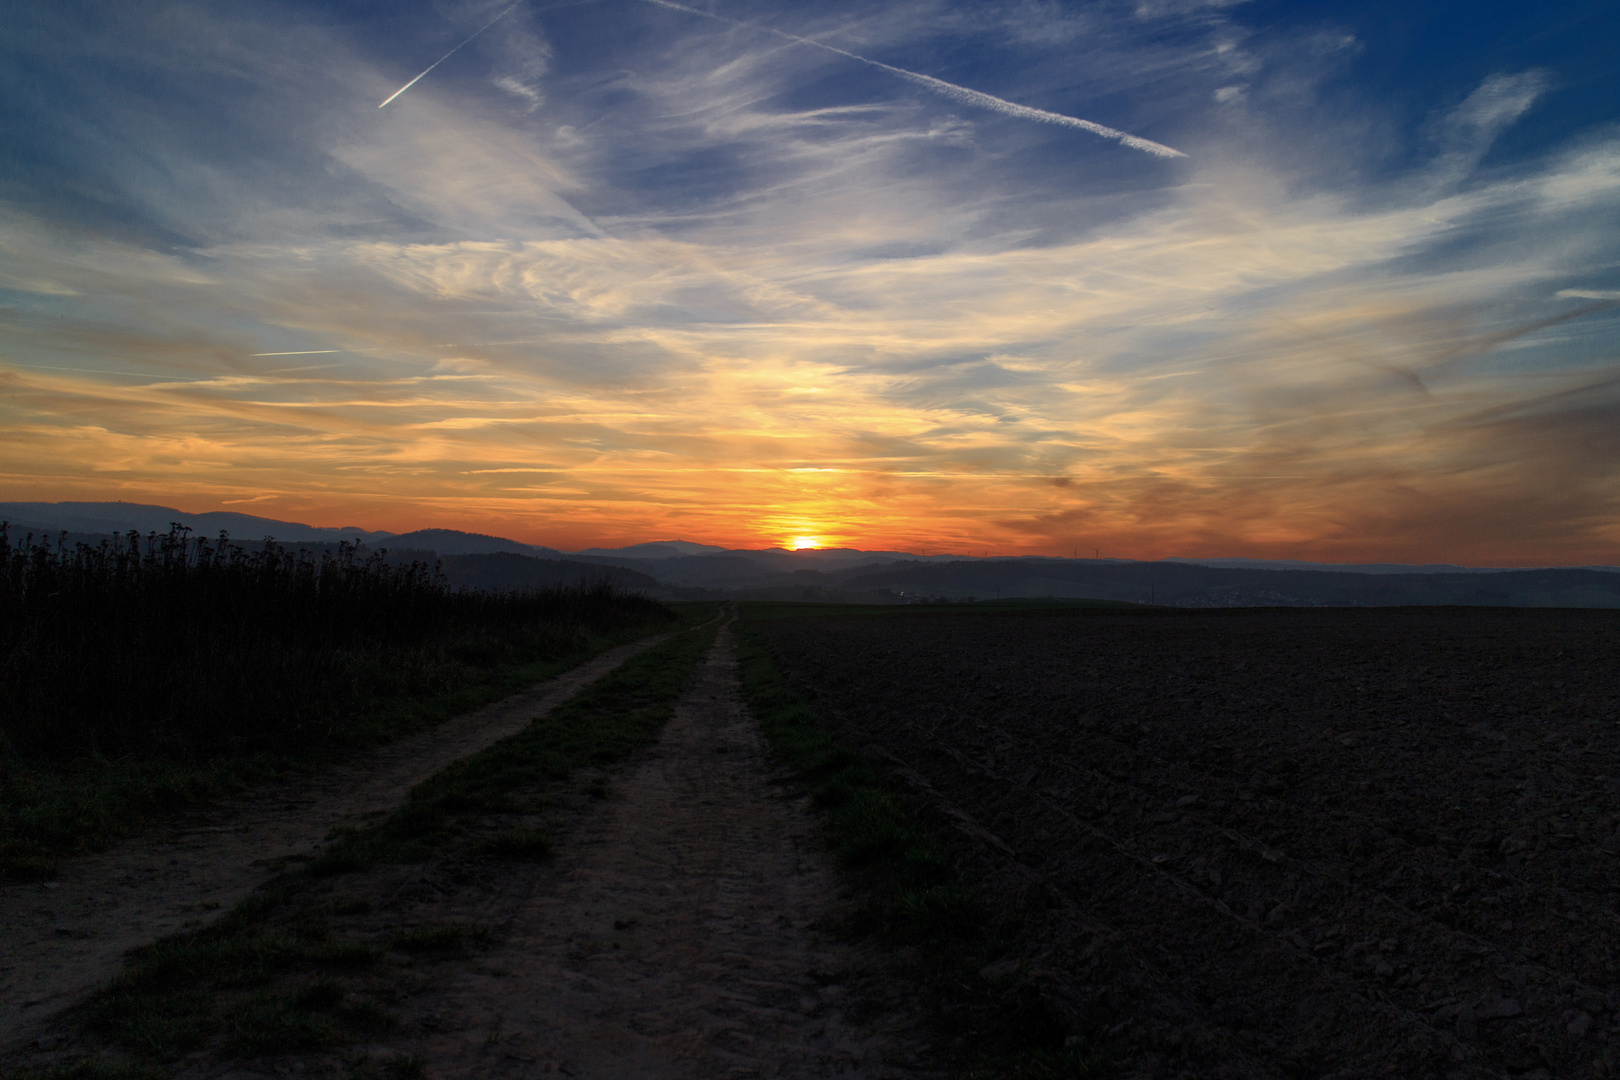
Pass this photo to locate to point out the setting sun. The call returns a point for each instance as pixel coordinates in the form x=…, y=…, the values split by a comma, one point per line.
x=728, y=318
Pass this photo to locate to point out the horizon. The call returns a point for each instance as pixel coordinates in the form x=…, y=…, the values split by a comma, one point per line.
x=1315, y=281
x=609, y=548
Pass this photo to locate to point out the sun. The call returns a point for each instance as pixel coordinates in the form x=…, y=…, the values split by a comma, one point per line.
x=806, y=543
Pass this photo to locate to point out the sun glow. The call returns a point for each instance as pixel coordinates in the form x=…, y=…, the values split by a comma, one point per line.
x=806, y=543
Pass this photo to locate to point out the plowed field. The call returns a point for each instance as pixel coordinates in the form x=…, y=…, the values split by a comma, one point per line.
x=1273, y=843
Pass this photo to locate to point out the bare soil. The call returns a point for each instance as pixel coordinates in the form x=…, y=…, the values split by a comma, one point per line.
x=60, y=939
x=1274, y=844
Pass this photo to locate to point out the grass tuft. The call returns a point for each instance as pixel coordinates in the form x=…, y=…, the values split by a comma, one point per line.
x=272, y=1025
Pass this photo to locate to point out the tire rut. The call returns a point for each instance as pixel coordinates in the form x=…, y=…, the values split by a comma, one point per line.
x=683, y=930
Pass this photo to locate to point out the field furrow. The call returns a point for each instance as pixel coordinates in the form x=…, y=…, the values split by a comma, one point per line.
x=1276, y=844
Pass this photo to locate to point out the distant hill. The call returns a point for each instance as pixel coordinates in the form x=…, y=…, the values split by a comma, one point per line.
x=101, y=518
x=686, y=568
x=503, y=570
x=654, y=549
x=456, y=542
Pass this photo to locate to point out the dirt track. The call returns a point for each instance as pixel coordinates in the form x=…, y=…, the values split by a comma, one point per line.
x=680, y=933
x=683, y=930
x=60, y=939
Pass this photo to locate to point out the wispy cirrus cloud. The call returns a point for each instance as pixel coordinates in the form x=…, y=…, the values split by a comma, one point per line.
x=720, y=287
x=960, y=94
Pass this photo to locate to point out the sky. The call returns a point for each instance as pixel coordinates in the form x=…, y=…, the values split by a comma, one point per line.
x=1333, y=281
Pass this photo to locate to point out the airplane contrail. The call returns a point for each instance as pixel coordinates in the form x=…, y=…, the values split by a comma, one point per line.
x=451, y=53
x=386, y=348
x=956, y=93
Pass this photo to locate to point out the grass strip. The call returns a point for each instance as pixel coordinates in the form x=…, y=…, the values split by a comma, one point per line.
x=913, y=895
x=601, y=725
x=271, y=976
x=171, y=997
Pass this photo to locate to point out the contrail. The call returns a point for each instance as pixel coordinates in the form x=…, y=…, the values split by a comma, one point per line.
x=449, y=54
x=951, y=90
x=386, y=348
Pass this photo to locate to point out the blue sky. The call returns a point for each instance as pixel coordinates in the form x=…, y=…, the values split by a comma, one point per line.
x=615, y=270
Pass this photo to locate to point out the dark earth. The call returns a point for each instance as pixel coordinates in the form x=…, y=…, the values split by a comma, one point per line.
x=1272, y=843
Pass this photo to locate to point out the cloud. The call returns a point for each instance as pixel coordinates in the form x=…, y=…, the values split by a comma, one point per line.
x=1498, y=102
x=952, y=91
x=716, y=287
x=457, y=48
x=1158, y=9
x=1466, y=132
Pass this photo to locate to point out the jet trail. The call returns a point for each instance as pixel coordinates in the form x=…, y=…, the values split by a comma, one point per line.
x=451, y=53
x=386, y=348
x=950, y=90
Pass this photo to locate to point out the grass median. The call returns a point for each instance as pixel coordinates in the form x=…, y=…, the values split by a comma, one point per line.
x=602, y=725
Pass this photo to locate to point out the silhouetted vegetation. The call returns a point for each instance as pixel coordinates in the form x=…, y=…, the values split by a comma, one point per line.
x=149, y=672
x=505, y=570
x=188, y=645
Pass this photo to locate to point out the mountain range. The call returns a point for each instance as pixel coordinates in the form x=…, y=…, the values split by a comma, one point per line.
x=682, y=569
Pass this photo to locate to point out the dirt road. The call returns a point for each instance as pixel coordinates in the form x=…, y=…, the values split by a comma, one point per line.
x=60, y=939
x=683, y=929
x=681, y=932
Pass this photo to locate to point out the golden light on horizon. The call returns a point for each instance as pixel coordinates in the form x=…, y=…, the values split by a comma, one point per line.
x=847, y=350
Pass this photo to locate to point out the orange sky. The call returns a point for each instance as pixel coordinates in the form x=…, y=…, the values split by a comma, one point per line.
x=1357, y=423
x=890, y=335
